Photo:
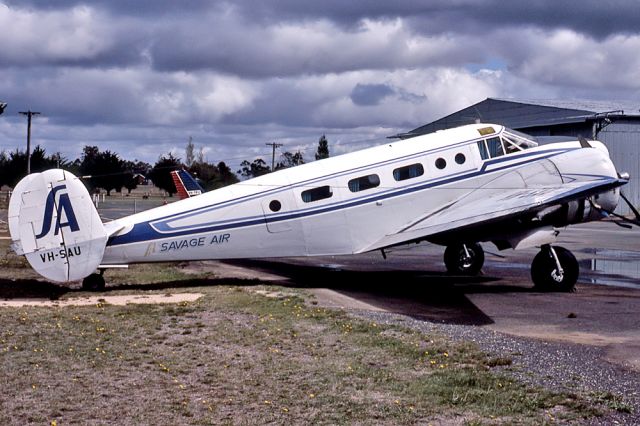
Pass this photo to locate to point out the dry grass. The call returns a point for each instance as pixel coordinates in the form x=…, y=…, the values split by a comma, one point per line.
x=245, y=353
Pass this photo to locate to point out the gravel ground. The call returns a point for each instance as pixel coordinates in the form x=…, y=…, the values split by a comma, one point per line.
x=557, y=366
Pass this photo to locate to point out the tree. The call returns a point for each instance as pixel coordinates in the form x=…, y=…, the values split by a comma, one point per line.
x=255, y=169
x=135, y=170
x=109, y=172
x=323, y=148
x=190, y=153
x=87, y=163
x=203, y=173
x=15, y=167
x=161, y=173
x=226, y=176
x=290, y=160
x=210, y=176
x=4, y=165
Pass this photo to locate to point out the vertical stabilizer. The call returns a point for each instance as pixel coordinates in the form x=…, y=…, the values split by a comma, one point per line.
x=54, y=223
x=186, y=185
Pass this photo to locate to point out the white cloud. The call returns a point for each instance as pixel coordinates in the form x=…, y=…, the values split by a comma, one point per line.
x=74, y=35
x=140, y=78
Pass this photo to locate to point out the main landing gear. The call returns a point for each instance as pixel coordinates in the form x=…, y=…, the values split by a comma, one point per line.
x=554, y=269
x=94, y=282
x=464, y=259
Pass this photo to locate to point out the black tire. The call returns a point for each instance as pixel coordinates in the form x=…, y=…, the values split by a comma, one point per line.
x=457, y=263
x=544, y=270
x=93, y=282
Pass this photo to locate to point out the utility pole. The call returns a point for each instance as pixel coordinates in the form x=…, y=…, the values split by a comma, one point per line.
x=273, y=155
x=29, y=114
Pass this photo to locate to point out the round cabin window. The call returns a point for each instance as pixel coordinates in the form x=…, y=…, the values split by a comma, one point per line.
x=460, y=158
x=275, y=206
x=441, y=163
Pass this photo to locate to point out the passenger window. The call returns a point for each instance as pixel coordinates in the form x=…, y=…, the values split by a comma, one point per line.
x=408, y=172
x=364, y=182
x=315, y=194
x=441, y=163
x=495, y=147
x=460, y=158
x=483, y=150
x=275, y=206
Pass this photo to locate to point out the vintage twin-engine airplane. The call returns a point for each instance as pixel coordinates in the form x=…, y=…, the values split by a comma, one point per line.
x=455, y=187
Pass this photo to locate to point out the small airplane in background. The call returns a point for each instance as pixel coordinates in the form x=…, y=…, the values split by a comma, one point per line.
x=185, y=184
x=456, y=188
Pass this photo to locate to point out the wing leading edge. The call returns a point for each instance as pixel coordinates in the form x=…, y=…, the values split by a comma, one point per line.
x=488, y=208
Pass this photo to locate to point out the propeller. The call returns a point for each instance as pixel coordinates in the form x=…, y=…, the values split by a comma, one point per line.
x=625, y=222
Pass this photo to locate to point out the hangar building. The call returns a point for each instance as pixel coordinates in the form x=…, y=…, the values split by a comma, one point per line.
x=615, y=124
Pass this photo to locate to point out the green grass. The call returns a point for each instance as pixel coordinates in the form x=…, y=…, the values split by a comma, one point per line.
x=239, y=357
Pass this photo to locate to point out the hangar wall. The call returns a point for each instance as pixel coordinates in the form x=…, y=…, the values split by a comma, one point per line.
x=562, y=118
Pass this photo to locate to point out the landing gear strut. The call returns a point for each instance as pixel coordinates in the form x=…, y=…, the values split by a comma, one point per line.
x=554, y=269
x=94, y=282
x=464, y=259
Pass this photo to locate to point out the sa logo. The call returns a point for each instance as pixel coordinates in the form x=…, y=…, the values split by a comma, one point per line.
x=64, y=205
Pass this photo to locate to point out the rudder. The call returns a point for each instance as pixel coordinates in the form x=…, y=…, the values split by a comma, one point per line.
x=53, y=222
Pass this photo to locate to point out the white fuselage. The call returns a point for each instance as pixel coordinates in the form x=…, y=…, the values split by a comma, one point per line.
x=348, y=204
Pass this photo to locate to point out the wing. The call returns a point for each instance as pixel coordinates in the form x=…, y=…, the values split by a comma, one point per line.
x=497, y=206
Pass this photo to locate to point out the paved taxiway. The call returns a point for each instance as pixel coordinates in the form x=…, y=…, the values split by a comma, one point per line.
x=604, y=311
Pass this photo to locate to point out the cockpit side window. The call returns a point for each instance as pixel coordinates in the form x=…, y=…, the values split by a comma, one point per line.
x=519, y=140
x=482, y=147
x=494, y=145
x=510, y=147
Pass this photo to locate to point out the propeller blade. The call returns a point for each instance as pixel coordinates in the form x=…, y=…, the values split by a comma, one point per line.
x=584, y=143
x=633, y=209
x=623, y=225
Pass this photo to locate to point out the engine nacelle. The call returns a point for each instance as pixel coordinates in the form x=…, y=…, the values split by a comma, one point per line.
x=587, y=209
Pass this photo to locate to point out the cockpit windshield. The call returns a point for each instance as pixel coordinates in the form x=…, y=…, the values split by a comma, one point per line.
x=517, y=141
x=509, y=142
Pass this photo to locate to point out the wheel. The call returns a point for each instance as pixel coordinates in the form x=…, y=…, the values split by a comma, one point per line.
x=93, y=282
x=458, y=262
x=544, y=271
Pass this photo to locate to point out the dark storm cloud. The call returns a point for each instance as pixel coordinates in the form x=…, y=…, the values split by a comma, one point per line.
x=121, y=7
x=125, y=71
x=370, y=94
x=594, y=17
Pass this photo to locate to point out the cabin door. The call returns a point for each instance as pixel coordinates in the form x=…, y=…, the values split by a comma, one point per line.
x=278, y=209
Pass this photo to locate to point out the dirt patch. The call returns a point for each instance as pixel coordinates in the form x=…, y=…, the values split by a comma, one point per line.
x=147, y=299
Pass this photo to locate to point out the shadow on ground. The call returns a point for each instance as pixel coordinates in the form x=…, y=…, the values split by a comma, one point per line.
x=425, y=295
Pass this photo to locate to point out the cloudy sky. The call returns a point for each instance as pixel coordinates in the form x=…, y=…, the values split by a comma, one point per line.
x=141, y=77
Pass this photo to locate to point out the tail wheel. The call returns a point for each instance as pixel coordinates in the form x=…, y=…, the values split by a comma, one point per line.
x=547, y=276
x=464, y=259
x=93, y=282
